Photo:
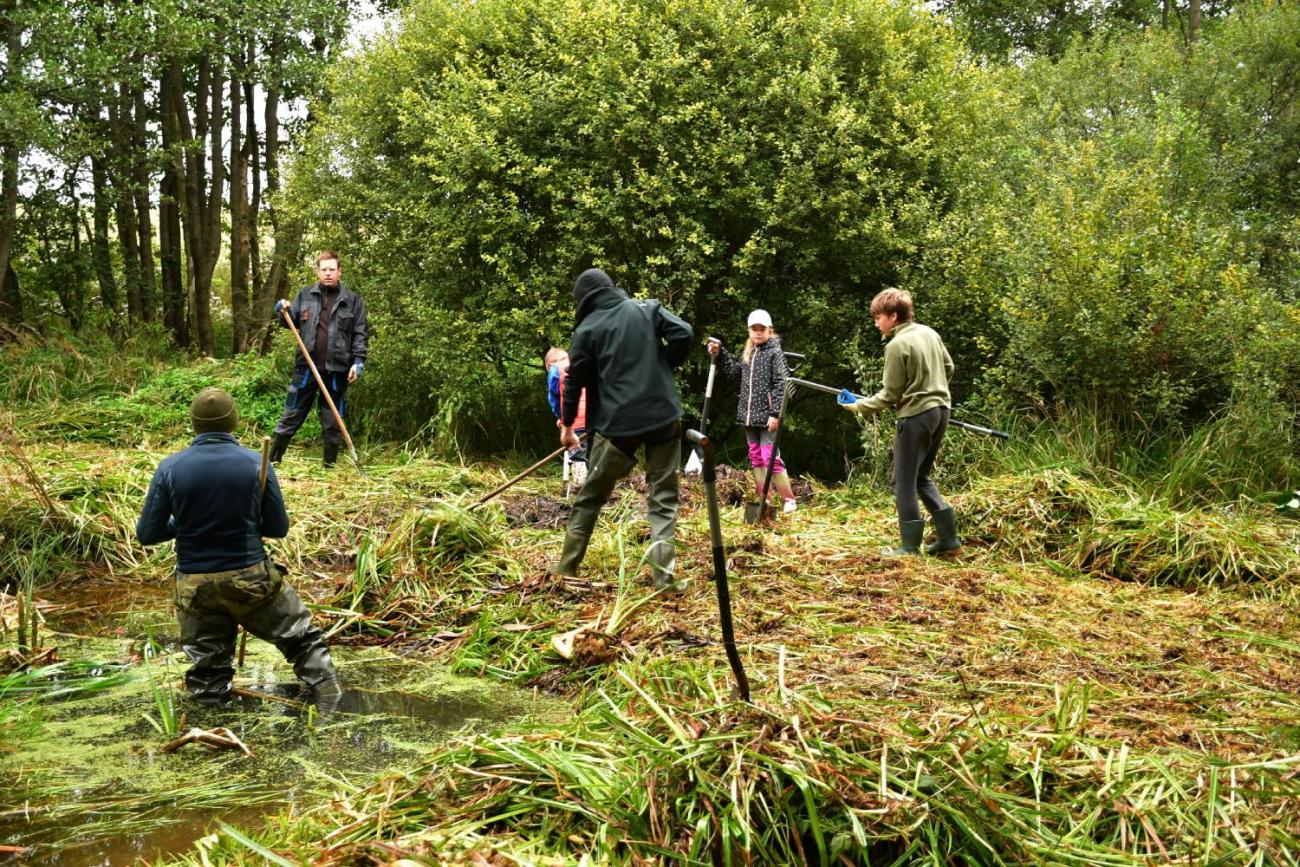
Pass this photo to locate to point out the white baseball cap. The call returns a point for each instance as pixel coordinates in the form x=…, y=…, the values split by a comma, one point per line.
x=760, y=317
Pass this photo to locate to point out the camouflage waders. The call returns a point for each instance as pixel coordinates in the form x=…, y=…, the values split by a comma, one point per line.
x=607, y=464
x=209, y=607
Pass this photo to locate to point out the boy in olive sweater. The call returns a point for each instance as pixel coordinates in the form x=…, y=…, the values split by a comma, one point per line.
x=917, y=369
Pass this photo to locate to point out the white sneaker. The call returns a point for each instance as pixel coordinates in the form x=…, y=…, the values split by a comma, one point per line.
x=789, y=506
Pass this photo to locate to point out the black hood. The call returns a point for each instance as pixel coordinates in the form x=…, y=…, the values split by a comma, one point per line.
x=591, y=280
x=594, y=289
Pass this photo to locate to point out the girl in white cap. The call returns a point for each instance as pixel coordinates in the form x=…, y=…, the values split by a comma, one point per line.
x=761, y=373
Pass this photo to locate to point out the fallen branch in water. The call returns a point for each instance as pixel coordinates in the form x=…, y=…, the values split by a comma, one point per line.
x=220, y=738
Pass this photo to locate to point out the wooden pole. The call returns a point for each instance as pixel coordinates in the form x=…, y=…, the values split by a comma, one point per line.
x=324, y=392
x=534, y=468
x=261, y=489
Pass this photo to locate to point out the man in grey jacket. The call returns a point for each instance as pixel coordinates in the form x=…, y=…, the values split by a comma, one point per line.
x=331, y=319
x=623, y=355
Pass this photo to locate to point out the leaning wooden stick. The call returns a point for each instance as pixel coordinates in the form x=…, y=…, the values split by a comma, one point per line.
x=324, y=392
x=261, y=490
x=534, y=468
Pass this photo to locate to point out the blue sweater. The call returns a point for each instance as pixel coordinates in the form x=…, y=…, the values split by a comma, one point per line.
x=206, y=498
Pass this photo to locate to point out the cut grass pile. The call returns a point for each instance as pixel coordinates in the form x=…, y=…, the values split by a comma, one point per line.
x=1111, y=531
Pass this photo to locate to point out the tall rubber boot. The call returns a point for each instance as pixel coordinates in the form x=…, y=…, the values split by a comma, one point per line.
x=945, y=528
x=575, y=548
x=331, y=454
x=910, y=532
x=278, y=447
x=781, y=484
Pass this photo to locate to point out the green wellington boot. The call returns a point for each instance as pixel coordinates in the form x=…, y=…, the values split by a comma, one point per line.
x=945, y=529
x=910, y=533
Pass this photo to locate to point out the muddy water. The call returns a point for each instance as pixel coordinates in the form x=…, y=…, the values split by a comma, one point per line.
x=83, y=780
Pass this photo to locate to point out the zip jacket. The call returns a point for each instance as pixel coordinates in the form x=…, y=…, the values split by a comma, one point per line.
x=349, y=332
x=623, y=355
x=762, y=382
x=206, y=498
x=917, y=370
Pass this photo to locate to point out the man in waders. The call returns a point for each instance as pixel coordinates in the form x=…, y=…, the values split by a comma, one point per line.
x=331, y=319
x=208, y=499
x=623, y=355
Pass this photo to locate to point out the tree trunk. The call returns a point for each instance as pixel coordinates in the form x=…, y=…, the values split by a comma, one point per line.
x=8, y=181
x=128, y=238
x=175, y=317
x=259, y=300
x=288, y=238
x=143, y=211
x=203, y=194
x=1193, y=20
x=11, y=297
x=239, y=300
x=101, y=252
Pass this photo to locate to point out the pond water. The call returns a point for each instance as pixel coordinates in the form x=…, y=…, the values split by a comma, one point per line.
x=83, y=780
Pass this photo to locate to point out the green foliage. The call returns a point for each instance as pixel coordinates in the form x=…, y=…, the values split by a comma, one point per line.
x=1124, y=244
x=717, y=155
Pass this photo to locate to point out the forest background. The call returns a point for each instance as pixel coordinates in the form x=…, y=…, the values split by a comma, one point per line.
x=1096, y=203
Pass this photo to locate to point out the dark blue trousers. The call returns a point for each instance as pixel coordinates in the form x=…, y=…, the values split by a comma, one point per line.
x=303, y=392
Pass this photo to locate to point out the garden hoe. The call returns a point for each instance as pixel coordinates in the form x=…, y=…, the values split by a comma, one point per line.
x=525, y=474
x=693, y=464
x=762, y=510
x=324, y=392
x=844, y=396
x=720, y=561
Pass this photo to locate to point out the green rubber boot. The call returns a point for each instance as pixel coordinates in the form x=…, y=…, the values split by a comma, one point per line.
x=910, y=533
x=945, y=529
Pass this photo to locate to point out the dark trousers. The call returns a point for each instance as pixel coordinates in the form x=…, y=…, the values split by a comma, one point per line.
x=612, y=459
x=210, y=608
x=303, y=392
x=916, y=445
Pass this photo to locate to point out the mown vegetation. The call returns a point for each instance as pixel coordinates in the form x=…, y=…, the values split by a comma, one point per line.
x=1097, y=207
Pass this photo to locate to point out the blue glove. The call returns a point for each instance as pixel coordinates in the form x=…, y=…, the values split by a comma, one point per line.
x=846, y=397
x=280, y=306
x=357, y=368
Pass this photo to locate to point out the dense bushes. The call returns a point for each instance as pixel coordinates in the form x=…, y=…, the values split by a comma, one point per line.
x=718, y=155
x=1113, y=227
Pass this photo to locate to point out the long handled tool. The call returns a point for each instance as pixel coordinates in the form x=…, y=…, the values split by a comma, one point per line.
x=693, y=464
x=528, y=472
x=762, y=510
x=261, y=491
x=708, y=392
x=720, y=562
x=974, y=428
x=324, y=392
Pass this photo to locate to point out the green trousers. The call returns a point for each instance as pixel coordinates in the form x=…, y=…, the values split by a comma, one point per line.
x=211, y=606
x=609, y=461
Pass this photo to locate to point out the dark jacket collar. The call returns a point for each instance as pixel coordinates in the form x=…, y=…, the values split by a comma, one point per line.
x=318, y=289
x=608, y=296
x=213, y=436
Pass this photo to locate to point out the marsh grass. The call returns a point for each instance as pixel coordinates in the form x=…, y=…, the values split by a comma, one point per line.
x=1015, y=706
x=1112, y=531
x=162, y=690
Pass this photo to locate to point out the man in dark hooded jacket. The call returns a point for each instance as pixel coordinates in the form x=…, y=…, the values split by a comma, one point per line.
x=623, y=355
